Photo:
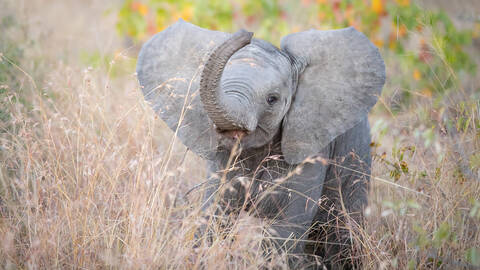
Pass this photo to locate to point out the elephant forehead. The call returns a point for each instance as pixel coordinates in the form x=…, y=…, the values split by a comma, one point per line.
x=254, y=74
x=261, y=53
x=258, y=66
x=245, y=60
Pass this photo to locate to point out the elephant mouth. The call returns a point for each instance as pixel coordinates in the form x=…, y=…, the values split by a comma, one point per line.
x=230, y=139
x=235, y=135
x=243, y=138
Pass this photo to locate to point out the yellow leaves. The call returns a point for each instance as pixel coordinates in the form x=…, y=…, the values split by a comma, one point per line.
x=143, y=9
x=140, y=8
x=160, y=27
x=476, y=30
x=378, y=42
x=378, y=6
x=403, y=3
x=427, y=92
x=417, y=75
x=185, y=13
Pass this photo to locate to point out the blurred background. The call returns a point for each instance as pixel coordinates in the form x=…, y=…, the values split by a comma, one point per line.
x=425, y=38
x=90, y=177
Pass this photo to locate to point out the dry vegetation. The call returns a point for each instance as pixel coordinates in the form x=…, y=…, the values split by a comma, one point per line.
x=89, y=178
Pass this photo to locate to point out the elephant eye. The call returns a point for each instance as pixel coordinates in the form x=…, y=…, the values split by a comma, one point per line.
x=272, y=99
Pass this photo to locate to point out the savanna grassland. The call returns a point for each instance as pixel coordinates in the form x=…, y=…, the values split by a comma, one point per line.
x=91, y=178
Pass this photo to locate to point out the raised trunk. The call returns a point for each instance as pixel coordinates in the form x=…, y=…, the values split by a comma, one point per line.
x=210, y=94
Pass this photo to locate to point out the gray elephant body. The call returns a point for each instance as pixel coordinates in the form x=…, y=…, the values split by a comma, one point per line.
x=299, y=115
x=305, y=201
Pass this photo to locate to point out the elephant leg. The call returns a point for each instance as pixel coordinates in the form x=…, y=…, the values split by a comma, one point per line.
x=340, y=216
x=221, y=204
x=289, y=205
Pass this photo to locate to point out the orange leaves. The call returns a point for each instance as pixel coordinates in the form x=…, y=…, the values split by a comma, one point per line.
x=403, y=3
x=150, y=21
x=391, y=25
x=140, y=8
x=417, y=75
x=350, y=16
x=185, y=13
x=378, y=42
x=402, y=30
x=151, y=27
x=322, y=15
x=378, y=6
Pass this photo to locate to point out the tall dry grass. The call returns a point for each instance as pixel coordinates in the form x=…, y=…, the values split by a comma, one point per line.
x=90, y=178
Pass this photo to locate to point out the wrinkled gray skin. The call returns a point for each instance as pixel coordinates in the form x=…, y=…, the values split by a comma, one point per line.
x=301, y=113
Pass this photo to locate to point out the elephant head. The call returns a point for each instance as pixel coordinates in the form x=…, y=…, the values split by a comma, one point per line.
x=210, y=87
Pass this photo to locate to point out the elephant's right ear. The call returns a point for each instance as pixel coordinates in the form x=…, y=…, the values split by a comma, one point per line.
x=168, y=69
x=342, y=80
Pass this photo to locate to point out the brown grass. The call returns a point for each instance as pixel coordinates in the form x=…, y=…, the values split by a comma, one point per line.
x=90, y=178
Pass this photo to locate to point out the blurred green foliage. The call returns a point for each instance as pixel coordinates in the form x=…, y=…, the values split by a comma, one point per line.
x=10, y=54
x=116, y=64
x=431, y=49
x=473, y=256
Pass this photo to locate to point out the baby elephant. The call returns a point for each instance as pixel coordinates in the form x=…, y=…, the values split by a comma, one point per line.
x=295, y=116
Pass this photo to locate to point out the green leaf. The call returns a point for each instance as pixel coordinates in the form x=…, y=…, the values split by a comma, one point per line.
x=475, y=161
x=475, y=211
x=441, y=235
x=422, y=239
x=412, y=265
x=473, y=256
x=413, y=204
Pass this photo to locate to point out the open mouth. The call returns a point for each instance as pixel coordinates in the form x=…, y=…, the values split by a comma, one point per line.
x=234, y=134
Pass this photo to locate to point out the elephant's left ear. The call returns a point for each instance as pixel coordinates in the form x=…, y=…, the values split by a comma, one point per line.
x=169, y=67
x=342, y=80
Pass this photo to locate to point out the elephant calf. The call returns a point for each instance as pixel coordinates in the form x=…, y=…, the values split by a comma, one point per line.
x=298, y=113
